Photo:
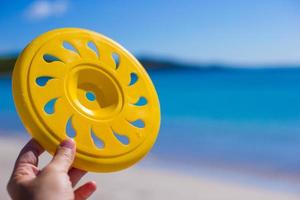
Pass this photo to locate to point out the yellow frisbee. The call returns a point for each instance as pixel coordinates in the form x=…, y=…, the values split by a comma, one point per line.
x=80, y=84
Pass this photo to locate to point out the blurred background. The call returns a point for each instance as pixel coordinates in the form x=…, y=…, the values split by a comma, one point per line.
x=228, y=77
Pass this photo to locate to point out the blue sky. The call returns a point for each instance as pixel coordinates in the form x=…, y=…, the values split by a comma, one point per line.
x=232, y=31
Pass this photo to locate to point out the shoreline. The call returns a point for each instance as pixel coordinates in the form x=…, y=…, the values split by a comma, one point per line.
x=232, y=174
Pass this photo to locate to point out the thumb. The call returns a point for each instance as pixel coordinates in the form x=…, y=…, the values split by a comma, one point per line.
x=64, y=156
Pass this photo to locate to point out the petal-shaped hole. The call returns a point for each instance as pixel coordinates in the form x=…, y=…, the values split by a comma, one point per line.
x=138, y=123
x=133, y=78
x=43, y=80
x=49, y=107
x=116, y=58
x=141, y=102
x=97, y=141
x=122, y=138
x=70, y=131
x=50, y=58
x=93, y=47
x=70, y=47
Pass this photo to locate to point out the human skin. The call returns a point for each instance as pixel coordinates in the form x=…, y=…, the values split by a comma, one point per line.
x=56, y=181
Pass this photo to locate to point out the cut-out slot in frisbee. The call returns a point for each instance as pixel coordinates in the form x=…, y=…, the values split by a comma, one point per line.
x=80, y=84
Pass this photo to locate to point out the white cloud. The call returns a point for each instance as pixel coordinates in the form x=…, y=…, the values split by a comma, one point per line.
x=42, y=9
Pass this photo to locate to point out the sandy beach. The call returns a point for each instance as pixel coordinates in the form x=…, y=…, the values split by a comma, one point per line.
x=150, y=182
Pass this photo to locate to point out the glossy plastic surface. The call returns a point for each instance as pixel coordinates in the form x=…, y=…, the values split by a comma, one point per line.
x=77, y=83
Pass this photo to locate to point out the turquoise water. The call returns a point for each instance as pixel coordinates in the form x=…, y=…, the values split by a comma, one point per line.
x=249, y=119
x=244, y=118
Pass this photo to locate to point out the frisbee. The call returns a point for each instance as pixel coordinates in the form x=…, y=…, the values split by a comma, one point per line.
x=77, y=83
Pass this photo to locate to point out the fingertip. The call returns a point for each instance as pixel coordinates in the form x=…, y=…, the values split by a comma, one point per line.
x=30, y=153
x=34, y=146
x=68, y=143
x=86, y=190
x=93, y=185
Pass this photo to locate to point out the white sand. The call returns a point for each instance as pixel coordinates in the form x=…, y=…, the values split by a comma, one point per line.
x=143, y=183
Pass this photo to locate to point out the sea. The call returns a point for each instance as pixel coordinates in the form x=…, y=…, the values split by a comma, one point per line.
x=244, y=120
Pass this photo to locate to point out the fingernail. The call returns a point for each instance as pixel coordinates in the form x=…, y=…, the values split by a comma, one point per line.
x=68, y=143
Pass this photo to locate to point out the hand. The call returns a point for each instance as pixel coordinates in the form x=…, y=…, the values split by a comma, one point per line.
x=54, y=182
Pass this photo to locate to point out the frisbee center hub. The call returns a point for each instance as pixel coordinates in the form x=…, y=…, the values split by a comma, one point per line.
x=94, y=92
